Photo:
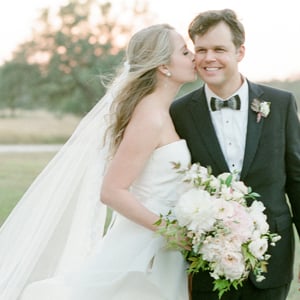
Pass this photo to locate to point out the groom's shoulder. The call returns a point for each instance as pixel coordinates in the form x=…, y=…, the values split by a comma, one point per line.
x=270, y=90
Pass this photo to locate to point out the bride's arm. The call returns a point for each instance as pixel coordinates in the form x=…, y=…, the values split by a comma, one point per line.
x=141, y=137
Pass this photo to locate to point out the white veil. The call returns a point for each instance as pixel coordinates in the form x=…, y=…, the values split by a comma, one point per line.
x=56, y=222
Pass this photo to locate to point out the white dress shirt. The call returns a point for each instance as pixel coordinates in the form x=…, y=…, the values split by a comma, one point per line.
x=231, y=127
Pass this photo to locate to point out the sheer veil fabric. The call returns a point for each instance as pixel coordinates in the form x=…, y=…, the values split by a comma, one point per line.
x=56, y=222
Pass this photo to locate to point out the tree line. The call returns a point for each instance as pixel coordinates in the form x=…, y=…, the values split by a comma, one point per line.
x=60, y=67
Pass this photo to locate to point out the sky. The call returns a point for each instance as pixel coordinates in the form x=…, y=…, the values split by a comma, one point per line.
x=272, y=29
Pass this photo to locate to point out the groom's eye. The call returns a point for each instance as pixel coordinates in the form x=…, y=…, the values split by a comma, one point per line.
x=220, y=50
x=200, y=50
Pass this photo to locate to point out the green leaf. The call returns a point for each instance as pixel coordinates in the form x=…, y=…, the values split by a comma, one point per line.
x=229, y=180
x=222, y=286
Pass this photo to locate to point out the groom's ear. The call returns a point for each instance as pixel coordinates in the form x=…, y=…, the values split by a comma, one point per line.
x=240, y=53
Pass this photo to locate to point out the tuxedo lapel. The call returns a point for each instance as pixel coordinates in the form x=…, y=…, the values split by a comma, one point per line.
x=254, y=130
x=203, y=124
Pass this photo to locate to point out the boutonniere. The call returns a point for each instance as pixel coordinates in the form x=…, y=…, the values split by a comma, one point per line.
x=262, y=108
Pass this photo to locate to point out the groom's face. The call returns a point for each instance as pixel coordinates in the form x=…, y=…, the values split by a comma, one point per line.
x=217, y=57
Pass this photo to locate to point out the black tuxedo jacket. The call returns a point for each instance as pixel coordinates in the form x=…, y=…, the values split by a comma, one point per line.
x=271, y=166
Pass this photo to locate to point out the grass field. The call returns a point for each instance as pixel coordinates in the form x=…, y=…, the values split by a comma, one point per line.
x=37, y=127
x=16, y=173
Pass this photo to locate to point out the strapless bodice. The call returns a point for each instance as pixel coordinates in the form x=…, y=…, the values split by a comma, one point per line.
x=159, y=185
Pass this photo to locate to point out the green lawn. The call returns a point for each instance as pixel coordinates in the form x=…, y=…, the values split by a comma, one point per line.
x=17, y=171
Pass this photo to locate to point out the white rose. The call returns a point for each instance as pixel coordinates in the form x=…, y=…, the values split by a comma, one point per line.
x=257, y=206
x=237, y=195
x=196, y=210
x=255, y=235
x=258, y=217
x=265, y=108
x=224, y=176
x=214, y=183
x=211, y=249
x=233, y=265
x=258, y=247
x=196, y=172
x=261, y=224
x=203, y=172
x=240, y=186
x=226, y=192
x=224, y=209
x=240, y=224
x=190, y=175
x=214, y=247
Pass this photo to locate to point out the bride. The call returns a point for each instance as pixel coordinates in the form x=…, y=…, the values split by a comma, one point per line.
x=51, y=245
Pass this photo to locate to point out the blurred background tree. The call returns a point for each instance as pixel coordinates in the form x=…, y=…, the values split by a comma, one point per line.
x=18, y=83
x=59, y=69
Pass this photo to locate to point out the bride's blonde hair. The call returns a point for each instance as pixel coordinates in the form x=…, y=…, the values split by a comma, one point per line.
x=148, y=49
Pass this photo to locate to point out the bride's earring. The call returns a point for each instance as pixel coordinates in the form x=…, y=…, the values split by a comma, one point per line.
x=168, y=74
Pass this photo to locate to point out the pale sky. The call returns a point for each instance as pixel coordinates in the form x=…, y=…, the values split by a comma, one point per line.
x=272, y=29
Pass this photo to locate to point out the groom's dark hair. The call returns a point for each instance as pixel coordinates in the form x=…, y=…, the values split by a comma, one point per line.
x=204, y=21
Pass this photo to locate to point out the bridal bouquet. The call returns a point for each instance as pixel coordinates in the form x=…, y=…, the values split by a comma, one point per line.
x=216, y=230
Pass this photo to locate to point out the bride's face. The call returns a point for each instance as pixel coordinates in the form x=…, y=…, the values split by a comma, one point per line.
x=182, y=65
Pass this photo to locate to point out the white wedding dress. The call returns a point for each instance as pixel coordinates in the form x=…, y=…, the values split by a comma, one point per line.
x=130, y=262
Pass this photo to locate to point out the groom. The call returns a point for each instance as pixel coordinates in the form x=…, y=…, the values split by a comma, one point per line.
x=256, y=133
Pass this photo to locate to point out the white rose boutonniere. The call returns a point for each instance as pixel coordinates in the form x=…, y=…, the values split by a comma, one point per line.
x=262, y=108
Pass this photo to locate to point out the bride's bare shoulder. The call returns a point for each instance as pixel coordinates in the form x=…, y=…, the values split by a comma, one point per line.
x=150, y=109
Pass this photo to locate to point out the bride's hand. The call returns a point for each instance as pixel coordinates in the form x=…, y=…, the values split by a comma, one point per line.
x=177, y=237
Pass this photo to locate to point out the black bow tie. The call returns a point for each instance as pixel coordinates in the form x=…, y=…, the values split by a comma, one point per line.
x=234, y=103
